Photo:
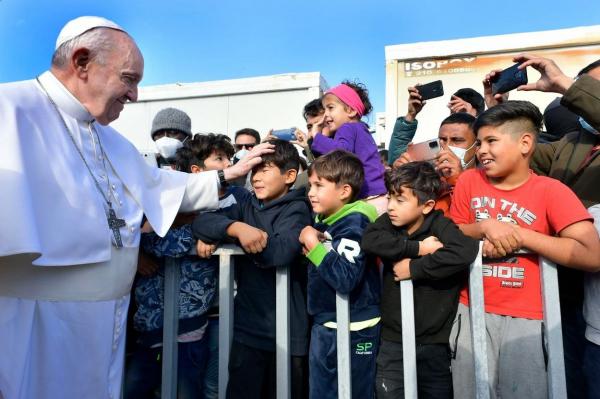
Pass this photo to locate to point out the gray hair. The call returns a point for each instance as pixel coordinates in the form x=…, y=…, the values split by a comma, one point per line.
x=97, y=41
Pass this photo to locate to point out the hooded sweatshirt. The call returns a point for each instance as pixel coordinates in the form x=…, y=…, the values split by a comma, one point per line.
x=339, y=264
x=254, y=315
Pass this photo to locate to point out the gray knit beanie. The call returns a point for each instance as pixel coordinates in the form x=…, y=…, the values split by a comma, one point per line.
x=172, y=119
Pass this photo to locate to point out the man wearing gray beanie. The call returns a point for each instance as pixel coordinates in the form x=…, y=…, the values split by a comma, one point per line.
x=170, y=128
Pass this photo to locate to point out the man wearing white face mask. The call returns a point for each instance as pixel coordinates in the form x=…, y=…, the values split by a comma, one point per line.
x=458, y=143
x=170, y=129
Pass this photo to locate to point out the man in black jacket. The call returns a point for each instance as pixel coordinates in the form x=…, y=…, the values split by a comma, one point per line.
x=266, y=226
x=417, y=242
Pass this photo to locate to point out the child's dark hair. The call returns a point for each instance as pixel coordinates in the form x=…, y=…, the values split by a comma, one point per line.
x=420, y=177
x=285, y=157
x=340, y=167
x=472, y=97
x=363, y=93
x=249, y=132
x=313, y=108
x=527, y=117
x=459, y=117
x=199, y=147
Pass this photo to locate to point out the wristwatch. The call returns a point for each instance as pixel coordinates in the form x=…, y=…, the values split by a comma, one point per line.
x=222, y=180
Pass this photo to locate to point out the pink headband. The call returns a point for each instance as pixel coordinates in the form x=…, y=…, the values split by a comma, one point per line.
x=349, y=97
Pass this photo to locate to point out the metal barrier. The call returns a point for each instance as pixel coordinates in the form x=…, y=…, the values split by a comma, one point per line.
x=226, y=278
x=552, y=329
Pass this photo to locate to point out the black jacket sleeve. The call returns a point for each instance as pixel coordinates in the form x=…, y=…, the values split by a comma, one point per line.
x=458, y=253
x=381, y=239
x=283, y=245
x=211, y=227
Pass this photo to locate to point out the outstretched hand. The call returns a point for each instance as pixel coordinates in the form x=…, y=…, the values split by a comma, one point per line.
x=552, y=79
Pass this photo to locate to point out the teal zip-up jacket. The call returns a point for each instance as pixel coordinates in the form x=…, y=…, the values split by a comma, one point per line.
x=339, y=264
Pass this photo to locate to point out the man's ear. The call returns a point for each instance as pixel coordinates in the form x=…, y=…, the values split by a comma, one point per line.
x=527, y=143
x=196, y=169
x=346, y=192
x=428, y=206
x=290, y=176
x=80, y=61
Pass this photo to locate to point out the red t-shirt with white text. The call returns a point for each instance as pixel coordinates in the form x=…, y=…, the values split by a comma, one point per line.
x=512, y=284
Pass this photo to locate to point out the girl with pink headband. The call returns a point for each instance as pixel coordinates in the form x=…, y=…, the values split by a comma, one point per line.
x=344, y=106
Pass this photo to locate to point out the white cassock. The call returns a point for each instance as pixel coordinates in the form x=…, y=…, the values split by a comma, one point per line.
x=64, y=287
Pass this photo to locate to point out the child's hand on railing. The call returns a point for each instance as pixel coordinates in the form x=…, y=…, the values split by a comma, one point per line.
x=310, y=238
x=251, y=239
x=504, y=237
x=402, y=270
x=205, y=250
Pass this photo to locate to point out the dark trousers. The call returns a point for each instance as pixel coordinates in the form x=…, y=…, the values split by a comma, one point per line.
x=574, y=342
x=252, y=374
x=434, y=379
x=144, y=371
x=591, y=369
x=322, y=361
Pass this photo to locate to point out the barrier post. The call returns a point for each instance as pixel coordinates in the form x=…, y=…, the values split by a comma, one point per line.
x=557, y=385
x=478, y=333
x=344, y=365
x=409, y=350
x=170, y=328
x=282, y=331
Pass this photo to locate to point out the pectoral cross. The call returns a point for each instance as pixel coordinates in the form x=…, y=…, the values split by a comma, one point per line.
x=115, y=224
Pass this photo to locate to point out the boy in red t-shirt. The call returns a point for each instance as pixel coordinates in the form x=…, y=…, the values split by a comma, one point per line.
x=509, y=207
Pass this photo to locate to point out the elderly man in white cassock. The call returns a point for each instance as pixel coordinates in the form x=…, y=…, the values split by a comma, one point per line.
x=73, y=192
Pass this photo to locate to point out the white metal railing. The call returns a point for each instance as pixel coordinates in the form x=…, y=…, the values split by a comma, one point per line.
x=226, y=253
x=552, y=329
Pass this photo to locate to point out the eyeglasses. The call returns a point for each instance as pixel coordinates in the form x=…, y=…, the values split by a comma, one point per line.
x=249, y=147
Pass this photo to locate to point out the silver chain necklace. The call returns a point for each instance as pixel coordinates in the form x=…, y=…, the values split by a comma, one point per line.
x=114, y=223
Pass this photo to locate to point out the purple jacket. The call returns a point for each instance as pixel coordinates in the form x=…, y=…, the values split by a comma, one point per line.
x=355, y=138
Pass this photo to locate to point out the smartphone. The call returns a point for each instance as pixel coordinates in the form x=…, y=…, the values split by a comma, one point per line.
x=431, y=90
x=509, y=79
x=150, y=158
x=285, y=134
x=425, y=151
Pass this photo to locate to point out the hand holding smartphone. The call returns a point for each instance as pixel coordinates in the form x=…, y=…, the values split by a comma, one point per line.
x=431, y=90
x=425, y=151
x=509, y=79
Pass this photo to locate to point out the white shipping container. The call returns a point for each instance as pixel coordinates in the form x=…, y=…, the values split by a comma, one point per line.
x=224, y=106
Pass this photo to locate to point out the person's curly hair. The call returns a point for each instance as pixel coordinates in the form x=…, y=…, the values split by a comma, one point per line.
x=199, y=147
x=362, y=92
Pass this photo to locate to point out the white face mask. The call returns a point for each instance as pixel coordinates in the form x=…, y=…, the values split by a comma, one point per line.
x=588, y=127
x=460, y=153
x=168, y=146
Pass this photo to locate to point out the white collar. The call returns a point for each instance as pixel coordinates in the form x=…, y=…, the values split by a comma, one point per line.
x=63, y=98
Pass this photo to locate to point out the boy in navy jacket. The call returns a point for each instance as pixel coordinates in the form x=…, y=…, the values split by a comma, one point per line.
x=338, y=264
x=266, y=226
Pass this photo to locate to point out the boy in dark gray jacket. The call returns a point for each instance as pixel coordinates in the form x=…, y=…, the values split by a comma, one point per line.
x=266, y=226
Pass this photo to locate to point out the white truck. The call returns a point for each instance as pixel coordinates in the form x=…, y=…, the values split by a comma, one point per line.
x=465, y=62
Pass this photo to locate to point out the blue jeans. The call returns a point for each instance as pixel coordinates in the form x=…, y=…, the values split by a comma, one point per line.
x=211, y=377
x=144, y=371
